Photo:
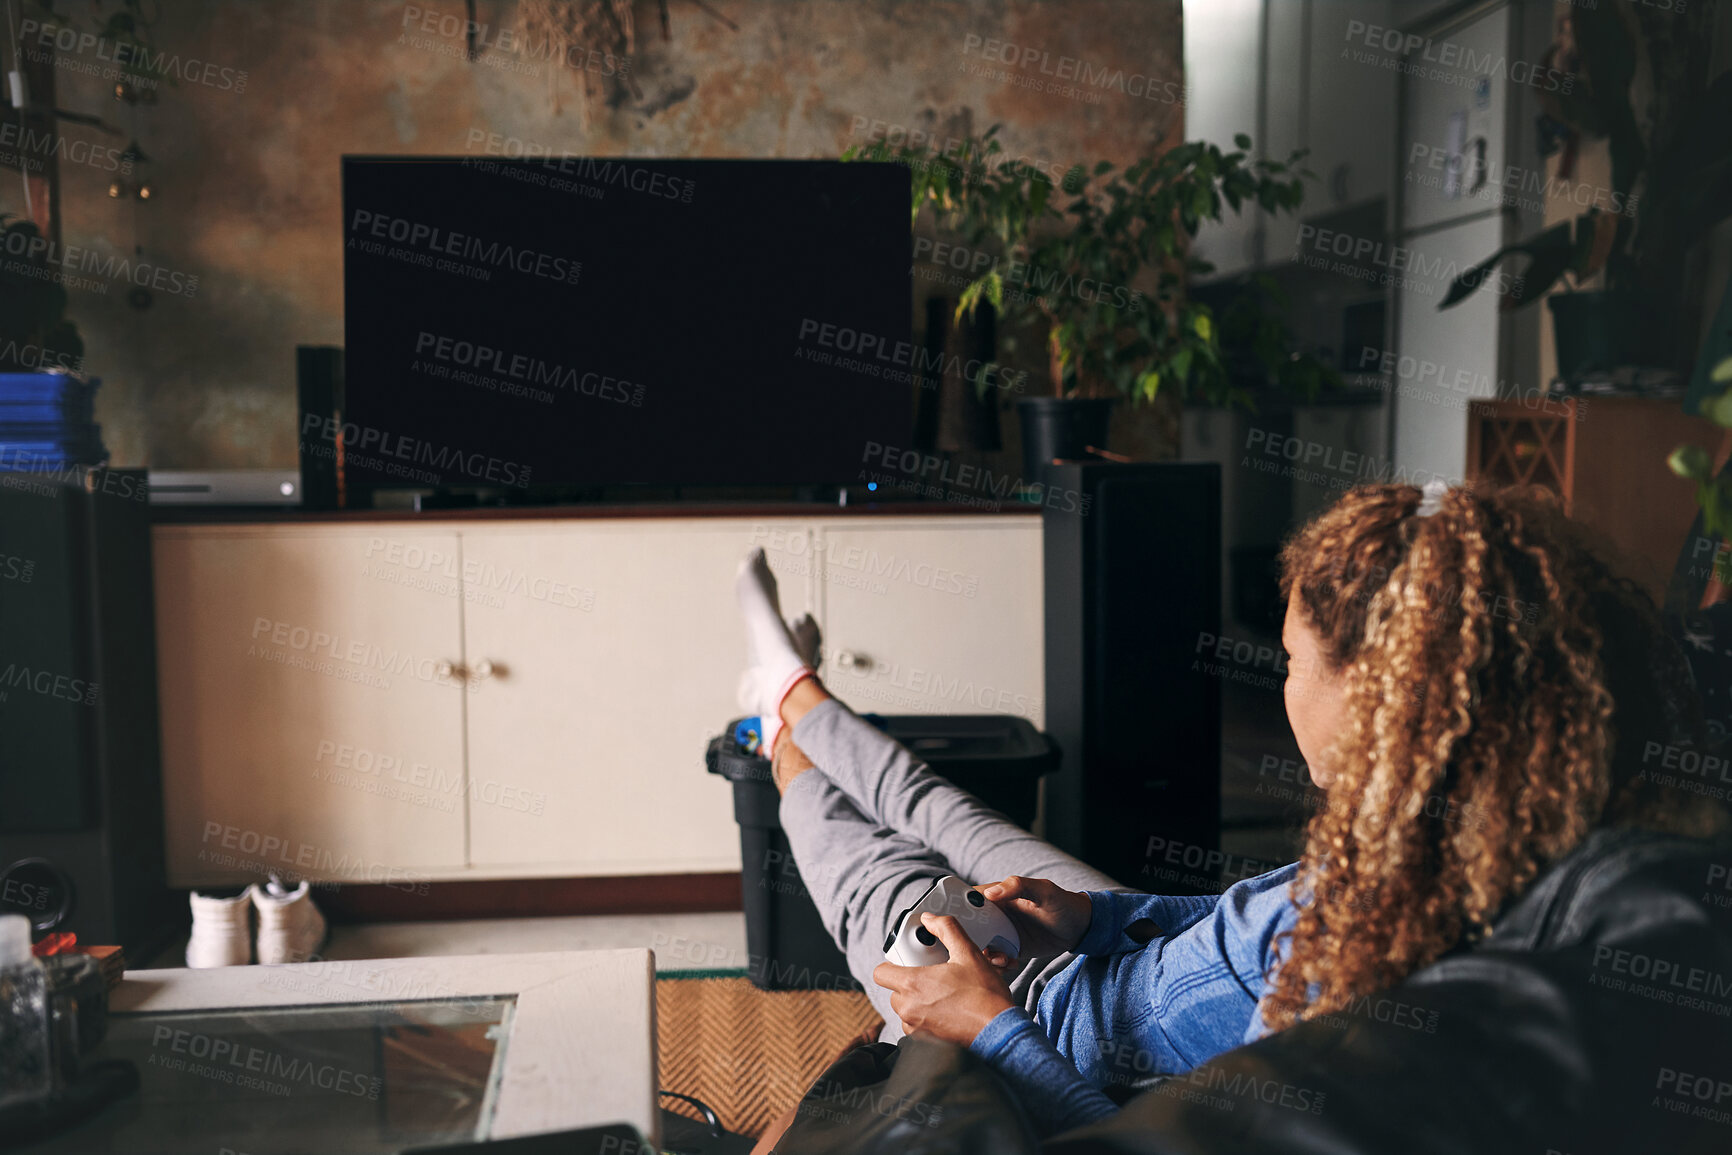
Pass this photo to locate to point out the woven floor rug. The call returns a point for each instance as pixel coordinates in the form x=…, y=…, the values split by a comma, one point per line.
x=749, y=1054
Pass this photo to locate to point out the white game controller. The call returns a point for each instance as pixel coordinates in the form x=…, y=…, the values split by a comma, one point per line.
x=911, y=945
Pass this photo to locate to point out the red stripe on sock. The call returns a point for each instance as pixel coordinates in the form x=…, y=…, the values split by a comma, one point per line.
x=794, y=679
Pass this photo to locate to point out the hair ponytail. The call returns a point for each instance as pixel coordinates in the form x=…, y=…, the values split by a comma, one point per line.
x=1478, y=644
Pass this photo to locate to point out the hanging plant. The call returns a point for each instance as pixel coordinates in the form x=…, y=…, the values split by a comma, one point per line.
x=583, y=27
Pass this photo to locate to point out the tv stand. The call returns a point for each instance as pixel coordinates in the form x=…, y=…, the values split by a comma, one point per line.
x=612, y=643
x=422, y=501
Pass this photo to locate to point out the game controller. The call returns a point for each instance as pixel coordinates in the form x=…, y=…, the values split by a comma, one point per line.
x=911, y=945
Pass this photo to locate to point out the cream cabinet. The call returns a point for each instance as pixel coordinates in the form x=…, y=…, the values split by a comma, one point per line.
x=400, y=700
x=933, y=618
x=599, y=702
x=312, y=719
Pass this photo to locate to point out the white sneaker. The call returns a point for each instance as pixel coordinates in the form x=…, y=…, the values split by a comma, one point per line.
x=222, y=930
x=291, y=929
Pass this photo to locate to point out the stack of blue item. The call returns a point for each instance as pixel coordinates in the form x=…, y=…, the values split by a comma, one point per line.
x=47, y=422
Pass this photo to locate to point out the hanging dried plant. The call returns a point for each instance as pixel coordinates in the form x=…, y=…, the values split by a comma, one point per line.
x=574, y=34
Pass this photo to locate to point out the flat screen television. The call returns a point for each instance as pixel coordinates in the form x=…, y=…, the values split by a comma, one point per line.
x=590, y=321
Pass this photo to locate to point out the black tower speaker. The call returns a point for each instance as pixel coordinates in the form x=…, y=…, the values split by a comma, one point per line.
x=319, y=389
x=81, y=832
x=1133, y=603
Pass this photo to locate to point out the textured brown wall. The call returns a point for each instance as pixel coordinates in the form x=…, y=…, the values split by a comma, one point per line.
x=247, y=188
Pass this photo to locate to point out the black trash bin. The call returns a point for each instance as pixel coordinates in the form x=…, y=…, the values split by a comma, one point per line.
x=998, y=758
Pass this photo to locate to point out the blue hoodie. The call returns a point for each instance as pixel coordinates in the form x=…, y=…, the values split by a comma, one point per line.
x=1126, y=1011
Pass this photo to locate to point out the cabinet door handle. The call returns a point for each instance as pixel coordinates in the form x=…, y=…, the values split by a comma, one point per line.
x=849, y=660
x=445, y=669
x=484, y=669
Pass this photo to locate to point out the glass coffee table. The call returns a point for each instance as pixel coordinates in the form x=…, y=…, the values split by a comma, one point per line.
x=378, y=1056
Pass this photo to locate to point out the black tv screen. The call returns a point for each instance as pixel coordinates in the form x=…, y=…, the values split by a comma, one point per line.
x=580, y=320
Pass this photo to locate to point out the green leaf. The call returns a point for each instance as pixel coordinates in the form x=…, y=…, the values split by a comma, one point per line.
x=1715, y=498
x=1064, y=335
x=983, y=379
x=1181, y=364
x=1203, y=202
x=1240, y=140
x=1719, y=409
x=1691, y=461
x=1203, y=326
x=969, y=300
x=1148, y=384
x=1037, y=194
x=1722, y=373
x=1551, y=251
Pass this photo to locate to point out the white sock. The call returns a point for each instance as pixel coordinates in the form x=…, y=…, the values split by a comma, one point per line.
x=775, y=661
x=754, y=686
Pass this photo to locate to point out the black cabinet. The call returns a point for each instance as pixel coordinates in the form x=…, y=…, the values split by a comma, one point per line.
x=1133, y=615
x=80, y=774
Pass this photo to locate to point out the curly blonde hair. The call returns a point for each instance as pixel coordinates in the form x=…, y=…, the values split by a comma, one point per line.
x=1498, y=681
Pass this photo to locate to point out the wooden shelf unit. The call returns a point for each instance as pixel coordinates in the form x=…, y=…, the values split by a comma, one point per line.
x=1606, y=455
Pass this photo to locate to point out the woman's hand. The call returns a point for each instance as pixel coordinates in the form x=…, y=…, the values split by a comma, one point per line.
x=1048, y=918
x=953, y=1000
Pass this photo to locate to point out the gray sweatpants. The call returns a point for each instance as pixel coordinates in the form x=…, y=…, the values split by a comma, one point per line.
x=871, y=827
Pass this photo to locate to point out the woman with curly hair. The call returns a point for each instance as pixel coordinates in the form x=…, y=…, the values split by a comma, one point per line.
x=1471, y=685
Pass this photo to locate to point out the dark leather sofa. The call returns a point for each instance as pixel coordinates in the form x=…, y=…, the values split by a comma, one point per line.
x=1596, y=1018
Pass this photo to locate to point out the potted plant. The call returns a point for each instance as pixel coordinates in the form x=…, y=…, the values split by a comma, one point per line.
x=1104, y=277
x=1669, y=186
